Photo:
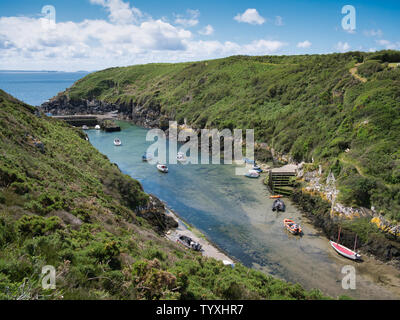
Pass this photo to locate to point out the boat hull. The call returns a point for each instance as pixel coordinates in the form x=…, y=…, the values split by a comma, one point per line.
x=345, y=252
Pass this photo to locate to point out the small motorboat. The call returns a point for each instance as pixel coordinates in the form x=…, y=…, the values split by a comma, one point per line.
x=345, y=252
x=292, y=227
x=276, y=196
x=278, y=205
x=85, y=127
x=162, y=168
x=117, y=142
x=147, y=157
x=189, y=242
x=97, y=127
x=181, y=157
x=252, y=174
x=256, y=167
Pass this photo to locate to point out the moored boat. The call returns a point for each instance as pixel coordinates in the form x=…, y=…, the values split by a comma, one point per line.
x=97, y=127
x=117, y=142
x=252, y=174
x=181, y=157
x=162, y=168
x=147, y=157
x=292, y=227
x=189, y=242
x=344, y=251
x=276, y=196
x=85, y=127
x=278, y=205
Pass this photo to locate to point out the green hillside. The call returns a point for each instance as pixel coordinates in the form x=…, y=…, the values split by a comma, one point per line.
x=64, y=204
x=311, y=106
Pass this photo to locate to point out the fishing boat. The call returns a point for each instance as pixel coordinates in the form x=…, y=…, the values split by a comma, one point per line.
x=276, y=196
x=162, y=168
x=189, y=242
x=292, y=227
x=97, y=127
x=147, y=157
x=117, y=142
x=278, y=205
x=252, y=174
x=345, y=252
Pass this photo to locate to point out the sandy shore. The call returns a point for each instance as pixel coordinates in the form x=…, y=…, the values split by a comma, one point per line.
x=208, y=250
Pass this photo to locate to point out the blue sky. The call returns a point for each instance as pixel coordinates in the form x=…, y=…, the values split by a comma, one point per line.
x=95, y=34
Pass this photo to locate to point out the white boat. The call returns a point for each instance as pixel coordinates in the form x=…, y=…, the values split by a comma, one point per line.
x=162, y=167
x=97, y=127
x=117, y=142
x=252, y=174
x=85, y=127
x=345, y=252
x=181, y=157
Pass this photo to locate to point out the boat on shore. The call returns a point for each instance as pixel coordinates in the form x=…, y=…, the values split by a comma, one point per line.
x=292, y=227
x=344, y=251
x=278, y=205
x=256, y=167
x=117, y=142
x=162, y=168
x=276, y=196
x=252, y=174
x=189, y=242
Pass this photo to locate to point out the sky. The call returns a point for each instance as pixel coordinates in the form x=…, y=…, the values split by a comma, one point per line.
x=71, y=35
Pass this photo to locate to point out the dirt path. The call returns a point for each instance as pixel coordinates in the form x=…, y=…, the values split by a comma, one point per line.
x=354, y=73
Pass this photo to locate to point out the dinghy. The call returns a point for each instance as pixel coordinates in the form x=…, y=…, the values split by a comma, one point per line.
x=276, y=196
x=117, y=142
x=97, y=127
x=85, y=128
x=345, y=252
x=292, y=227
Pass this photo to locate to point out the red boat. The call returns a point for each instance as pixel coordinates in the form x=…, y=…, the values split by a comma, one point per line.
x=292, y=227
x=346, y=252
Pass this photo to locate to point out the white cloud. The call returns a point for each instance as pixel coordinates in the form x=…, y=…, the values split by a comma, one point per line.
x=207, y=30
x=388, y=44
x=304, y=44
x=119, y=12
x=250, y=16
x=190, y=21
x=342, y=47
x=98, y=44
x=279, y=21
x=373, y=33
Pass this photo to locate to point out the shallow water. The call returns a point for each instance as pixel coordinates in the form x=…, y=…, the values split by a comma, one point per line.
x=235, y=213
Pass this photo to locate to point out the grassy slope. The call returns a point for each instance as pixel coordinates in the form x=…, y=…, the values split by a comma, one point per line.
x=309, y=106
x=63, y=203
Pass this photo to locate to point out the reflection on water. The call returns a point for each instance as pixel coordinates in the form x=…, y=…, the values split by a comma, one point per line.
x=235, y=213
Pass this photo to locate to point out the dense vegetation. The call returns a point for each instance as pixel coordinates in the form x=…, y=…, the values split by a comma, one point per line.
x=310, y=106
x=64, y=204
